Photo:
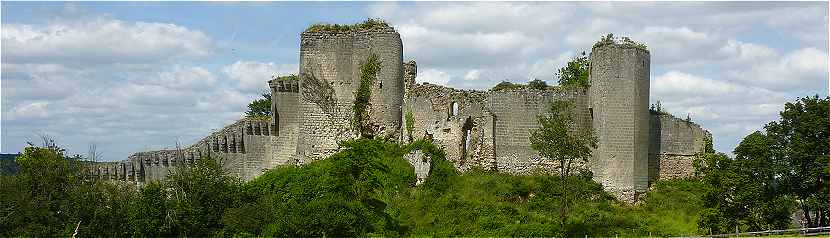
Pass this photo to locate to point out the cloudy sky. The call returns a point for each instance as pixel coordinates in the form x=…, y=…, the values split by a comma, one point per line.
x=139, y=76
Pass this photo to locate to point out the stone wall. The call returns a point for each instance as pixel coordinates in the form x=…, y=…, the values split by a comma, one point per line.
x=245, y=149
x=487, y=129
x=329, y=77
x=673, y=146
x=619, y=90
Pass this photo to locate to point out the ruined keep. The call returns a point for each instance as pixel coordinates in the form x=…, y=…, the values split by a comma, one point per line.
x=313, y=111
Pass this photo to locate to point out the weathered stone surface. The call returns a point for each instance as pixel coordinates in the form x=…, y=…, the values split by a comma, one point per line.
x=487, y=129
x=421, y=163
x=674, y=145
x=619, y=93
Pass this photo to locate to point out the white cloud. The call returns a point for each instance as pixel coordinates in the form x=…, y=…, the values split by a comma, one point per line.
x=29, y=110
x=253, y=76
x=101, y=40
x=433, y=76
x=802, y=70
x=472, y=75
x=193, y=78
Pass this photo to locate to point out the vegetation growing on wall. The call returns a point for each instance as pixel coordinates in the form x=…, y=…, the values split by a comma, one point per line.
x=410, y=124
x=625, y=41
x=368, y=74
x=369, y=24
x=534, y=84
x=290, y=77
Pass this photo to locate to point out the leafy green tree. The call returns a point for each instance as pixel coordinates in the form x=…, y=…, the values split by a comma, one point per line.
x=575, y=73
x=199, y=196
x=260, y=107
x=537, y=84
x=745, y=192
x=558, y=139
x=801, y=142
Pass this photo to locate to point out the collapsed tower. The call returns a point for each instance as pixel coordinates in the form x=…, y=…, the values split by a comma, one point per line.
x=330, y=61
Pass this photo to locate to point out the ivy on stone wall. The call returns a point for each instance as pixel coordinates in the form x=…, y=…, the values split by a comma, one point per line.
x=410, y=124
x=369, y=24
x=368, y=75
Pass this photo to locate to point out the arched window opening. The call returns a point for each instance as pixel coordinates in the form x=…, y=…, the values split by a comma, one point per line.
x=467, y=139
x=453, y=110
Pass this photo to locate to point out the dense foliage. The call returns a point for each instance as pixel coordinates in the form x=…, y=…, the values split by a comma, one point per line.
x=260, y=107
x=369, y=24
x=367, y=189
x=787, y=167
x=575, y=73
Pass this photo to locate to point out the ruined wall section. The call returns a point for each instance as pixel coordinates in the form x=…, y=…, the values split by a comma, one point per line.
x=456, y=120
x=619, y=92
x=488, y=129
x=515, y=114
x=330, y=76
x=674, y=145
x=245, y=149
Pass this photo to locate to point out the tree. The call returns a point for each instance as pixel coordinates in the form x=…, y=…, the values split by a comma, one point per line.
x=560, y=140
x=260, y=107
x=537, y=84
x=504, y=85
x=575, y=73
x=744, y=191
x=801, y=142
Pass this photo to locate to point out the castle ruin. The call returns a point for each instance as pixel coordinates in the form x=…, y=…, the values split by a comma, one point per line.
x=487, y=129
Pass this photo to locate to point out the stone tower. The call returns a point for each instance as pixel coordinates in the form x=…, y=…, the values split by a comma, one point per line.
x=618, y=102
x=329, y=77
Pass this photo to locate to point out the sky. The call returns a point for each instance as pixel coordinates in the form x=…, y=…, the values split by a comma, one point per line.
x=136, y=76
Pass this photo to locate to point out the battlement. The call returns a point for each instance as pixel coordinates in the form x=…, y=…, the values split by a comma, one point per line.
x=286, y=84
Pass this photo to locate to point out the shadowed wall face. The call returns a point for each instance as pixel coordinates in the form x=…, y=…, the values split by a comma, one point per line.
x=619, y=94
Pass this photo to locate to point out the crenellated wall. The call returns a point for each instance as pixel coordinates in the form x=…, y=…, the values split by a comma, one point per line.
x=245, y=149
